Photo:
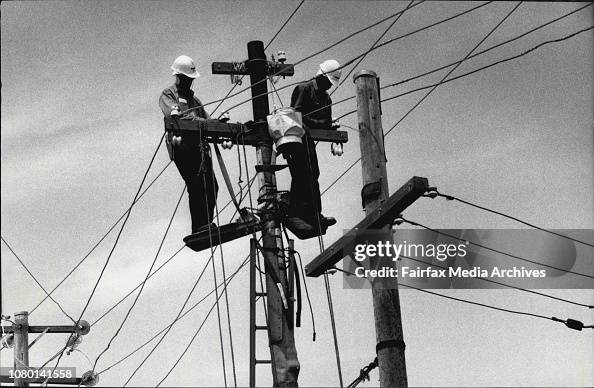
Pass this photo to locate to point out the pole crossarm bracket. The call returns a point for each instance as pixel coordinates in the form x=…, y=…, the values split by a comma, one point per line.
x=383, y=215
x=216, y=131
x=83, y=329
x=242, y=68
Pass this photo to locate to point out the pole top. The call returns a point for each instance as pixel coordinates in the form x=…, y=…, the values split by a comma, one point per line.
x=366, y=73
x=21, y=313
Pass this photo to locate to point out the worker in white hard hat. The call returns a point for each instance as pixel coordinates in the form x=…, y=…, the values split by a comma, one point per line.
x=193, y=161
x=311, y=98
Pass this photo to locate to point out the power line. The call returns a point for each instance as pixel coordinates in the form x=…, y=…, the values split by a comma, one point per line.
x=434, y=86
x=228, y=281
x=313, y=55
x=117, y=332
x=502, y=284
x=570, y=323
x=112, y=250
x=36, y=281
x=200, y=327
x=138, y=286
x=486, y=67
x=402, y=219
x=372, y=46
x=460, y=61
x=452, y=198
x=102, y=238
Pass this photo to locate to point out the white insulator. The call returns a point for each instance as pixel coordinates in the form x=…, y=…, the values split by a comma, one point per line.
x=175, y=111
x=282, y=56
x=335, y=123
x=227, y=144
x=336, y=149
x=225, y=117
x=176, y=140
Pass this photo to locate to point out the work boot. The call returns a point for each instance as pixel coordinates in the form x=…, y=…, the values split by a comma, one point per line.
x=204, y=228
x=327, y=221
x=298, y=224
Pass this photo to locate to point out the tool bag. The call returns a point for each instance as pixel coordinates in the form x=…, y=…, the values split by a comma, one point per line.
x=285, y=126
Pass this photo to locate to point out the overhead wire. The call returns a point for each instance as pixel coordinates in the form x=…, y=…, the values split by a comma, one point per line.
x=111, y=251
x=362, y=57
x=570, y=323
x=172, y=323
x=459, y=61
x=138, y=286
x=35, y=279
x=100, y=240
x=400, y=218
x=148, y=274
x=453, y=198
x=317, y=53
x=418, y=103
x=502, y=284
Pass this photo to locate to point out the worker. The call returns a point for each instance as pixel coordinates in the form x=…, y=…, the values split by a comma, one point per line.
x=192, y=160
x=311, y=98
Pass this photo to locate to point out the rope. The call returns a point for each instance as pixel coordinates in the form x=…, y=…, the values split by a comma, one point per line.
x=224, y=277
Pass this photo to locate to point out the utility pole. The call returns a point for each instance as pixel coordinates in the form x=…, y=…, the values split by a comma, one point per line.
x=282, y=341
x=386, y=303
x=21, y=346
x=24, y=374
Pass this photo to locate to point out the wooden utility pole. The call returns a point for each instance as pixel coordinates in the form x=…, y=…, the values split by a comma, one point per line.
x=386, y=303
x=21, y=346
x=282, y=341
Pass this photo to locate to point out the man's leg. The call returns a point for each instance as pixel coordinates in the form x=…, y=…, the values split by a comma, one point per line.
x=200, y=186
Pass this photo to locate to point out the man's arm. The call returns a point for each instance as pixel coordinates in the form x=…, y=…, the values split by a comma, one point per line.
x=166, y=102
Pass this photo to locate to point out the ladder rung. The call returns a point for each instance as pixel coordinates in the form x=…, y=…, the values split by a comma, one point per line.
x=263, y=362
x=261, y=327
x=260, y=294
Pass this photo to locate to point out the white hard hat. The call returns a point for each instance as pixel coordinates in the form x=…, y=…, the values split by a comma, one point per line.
x=331, y=69
x=185, y=65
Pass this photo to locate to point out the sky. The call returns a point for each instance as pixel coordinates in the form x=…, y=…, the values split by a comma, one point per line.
x=80, y=122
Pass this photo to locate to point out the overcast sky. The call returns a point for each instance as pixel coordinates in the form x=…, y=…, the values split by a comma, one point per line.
x=80, y=121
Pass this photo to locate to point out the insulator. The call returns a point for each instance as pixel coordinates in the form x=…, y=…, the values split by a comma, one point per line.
x=73, y=341
x=83, y=327
x=227, y=144
x=176, y=140
x=335, y=123
x=175, y=111
x=282, y=56
x=337, y=149
x=90, y=379
x=225, y=117
x=8, y=341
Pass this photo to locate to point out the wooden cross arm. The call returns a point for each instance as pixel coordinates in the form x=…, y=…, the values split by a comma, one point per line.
x=216, y=131
x=383, y=215
x=275, y=68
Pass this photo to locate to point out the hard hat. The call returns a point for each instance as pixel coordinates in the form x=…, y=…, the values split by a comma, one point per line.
x=185, y=65
x=331, y=69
